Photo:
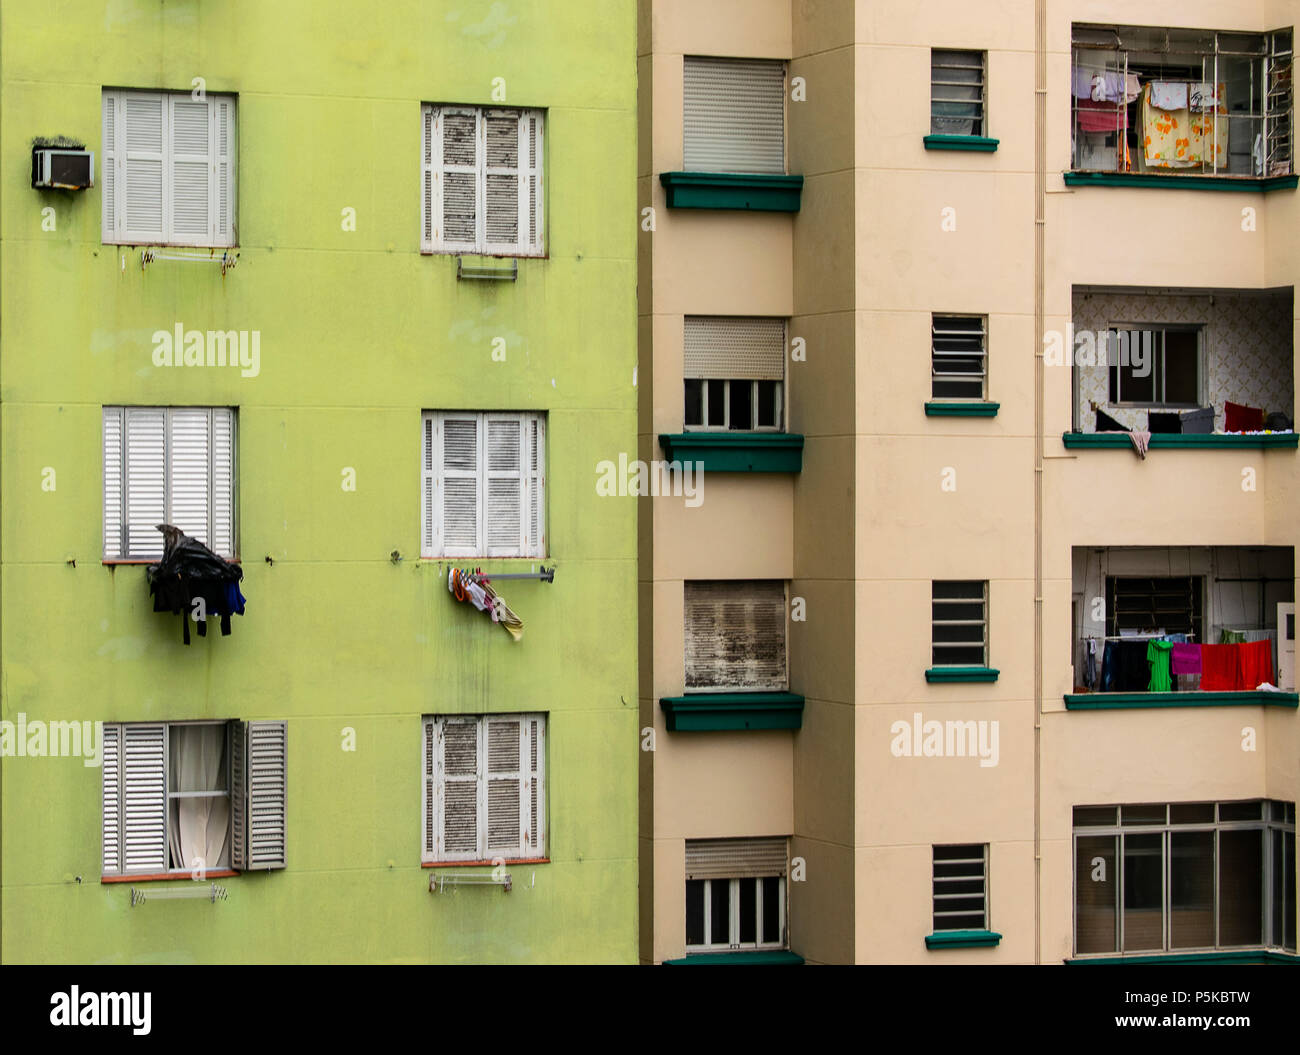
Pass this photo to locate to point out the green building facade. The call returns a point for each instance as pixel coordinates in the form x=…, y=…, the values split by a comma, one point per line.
x=400, y=210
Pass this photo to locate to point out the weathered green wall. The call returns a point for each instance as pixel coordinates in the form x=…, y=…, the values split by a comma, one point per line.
x=360, y=332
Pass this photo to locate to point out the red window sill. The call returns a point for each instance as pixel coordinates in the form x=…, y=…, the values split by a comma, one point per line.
x=158, y=877
x=152, y=560
x=486, y=864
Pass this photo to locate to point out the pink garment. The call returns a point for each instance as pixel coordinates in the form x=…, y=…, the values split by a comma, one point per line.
x=1185, y=659
x=1101, y=117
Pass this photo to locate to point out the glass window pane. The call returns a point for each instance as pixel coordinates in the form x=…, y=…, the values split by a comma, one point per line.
x=720, y=905
x=768, y=394
x=1146, y=813
x=1143, y=892
x=695, y=912
x=742, y=411
x=1240, y=886
x=717, y=403
x=1288, y=891
x=748, y=911
x=1096, y=881
x=1192, y=813
x=1241, y=811
x=1095, y=816
x=1191, y=890
x=772, y=910
x=694, y=401
x=1180, y=366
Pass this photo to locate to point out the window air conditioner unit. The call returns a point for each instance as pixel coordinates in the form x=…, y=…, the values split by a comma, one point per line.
x=64, y=169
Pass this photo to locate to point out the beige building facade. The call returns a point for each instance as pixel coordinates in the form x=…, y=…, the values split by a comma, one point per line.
x=895, y=692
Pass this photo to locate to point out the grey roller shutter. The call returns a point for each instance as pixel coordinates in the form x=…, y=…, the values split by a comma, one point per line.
x=735, y=348
x=734, y=115
x=735, y=858
x=735, y=635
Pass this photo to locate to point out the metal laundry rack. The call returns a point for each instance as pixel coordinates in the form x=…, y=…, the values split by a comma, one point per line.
x=212, y=892
x=545, y=575
x=438, y=882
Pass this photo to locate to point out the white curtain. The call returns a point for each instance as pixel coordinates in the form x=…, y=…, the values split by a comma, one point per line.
x=199, y=826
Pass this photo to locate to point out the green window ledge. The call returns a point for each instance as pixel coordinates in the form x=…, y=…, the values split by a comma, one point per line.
x=962, y=939
x=1122, y=701
x=736, y=452
x=774, y=957
x=702, y=712
x=1245, y=956
x=962, y=674
x=1248, y=185
x=1184, y=441
x=754, y=191
x=979, y=409
x=981, y=143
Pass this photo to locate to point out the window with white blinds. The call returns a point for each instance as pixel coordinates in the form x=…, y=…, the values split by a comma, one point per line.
x=958, y=356
x=957, y=92
x=168, y=169
x=959, y=623
x=181, y=795
x=481, y=181
x=735, y=636
x=168, y=465
x=483, y=484
x=961, y=887
x=735, y=894
x=733, y=115
x=484, y=787
x=733, y=368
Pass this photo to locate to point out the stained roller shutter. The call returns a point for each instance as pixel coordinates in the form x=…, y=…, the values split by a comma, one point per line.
x=506, y=767
x=734, y=348
x=429, y=808
x=734, y=115
x=735, y=635
x=144, y=798
x=502, y=186
x=111, y=776
x=735, y=858
x=458, y=786
x=266, y=792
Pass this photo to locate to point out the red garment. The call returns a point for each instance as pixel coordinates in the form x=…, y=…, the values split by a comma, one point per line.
x=1239, y=418
x=1256, y=663
x=1221, y=668
x=1101, y=117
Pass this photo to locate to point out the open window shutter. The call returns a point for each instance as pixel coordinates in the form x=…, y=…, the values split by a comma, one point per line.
x=113, y=479
x=456, y=490
x=108, y=155
x=223, y=170
x=535, y=540
x=532, y=203
x=503, y=190
x=735, y=858
x=222, y=541
x=504, y=484
x=144, y=798
x=426, y=178
x=189, y=460
x=735, y=635
x=146, y=479
x=111, y=775
x=429, y=809
x=456, y=179
x=458, y=775
x=507, y=808
x=266, y=790
x=428, y=519
x=534, y=837
x=238, y=734
x=734, y=115
x=144, y=118
x=190, y=164
x=734, y=348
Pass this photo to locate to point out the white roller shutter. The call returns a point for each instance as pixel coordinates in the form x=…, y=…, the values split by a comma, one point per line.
x=735, y=858
x=734, y=115
x=144, y=798
x=111, y=776
x=734, y=348
x=735, y=636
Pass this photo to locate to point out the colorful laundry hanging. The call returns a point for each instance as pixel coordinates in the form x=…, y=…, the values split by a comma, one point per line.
x=1179, y=138
x=475, y=588
x=1158, y=655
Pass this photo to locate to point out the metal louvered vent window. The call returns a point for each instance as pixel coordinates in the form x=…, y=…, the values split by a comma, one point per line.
x=957, y=93
x=168, y=169
x=184, y=796
x=483, y=484
x=481, y=181
x=961, y=887
x=168, y=465
x=959, y=356
x=484, y=787
x=959, y=627
x=734, y=368
x=735, y=636
x=733, y=115
x=735, y=894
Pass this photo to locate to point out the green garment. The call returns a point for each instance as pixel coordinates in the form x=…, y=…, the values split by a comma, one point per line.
x=1158, y=653
x=1232, y=637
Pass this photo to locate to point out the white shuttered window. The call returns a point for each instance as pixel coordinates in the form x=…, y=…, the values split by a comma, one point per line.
x=484, y=787
x=483, y=484
x=735, y=636
x=168, y=169
x=733, y=115
x=481, y=181
x=168, y=465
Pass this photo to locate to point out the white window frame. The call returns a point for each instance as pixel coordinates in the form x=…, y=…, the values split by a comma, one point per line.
x=532, y=187
x=734, y=944
x=532, y=843
x=942, y=87
x=938, y=899
x=433, y=476
x=754, y=391
x=115, y=157
x=118, y=492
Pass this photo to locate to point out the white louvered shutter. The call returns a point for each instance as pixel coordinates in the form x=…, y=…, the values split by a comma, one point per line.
x=143, y=140
x=532, y=200
x=266, y=792
x=144, y=798
x=108, y=155
x=457, y=489
x=189, y=166
x=429, y=530
x=456, y=179
x=503, y=192
x=534, y=836
x=535, y=538
x=504, y=484
x=223, y=170
x=111, y=776
x=427, y=117
x=735, y=858
x=113, y=481
x=458, y=775
x=189, y=458
x=222, y=540
x=734, y=348
x=734, y=115
x=429, y=807
x=237, y=732
x=735, y=635
x=506, y=803
x=146, y=480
